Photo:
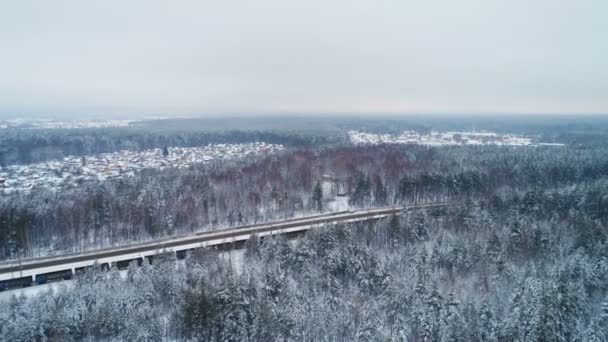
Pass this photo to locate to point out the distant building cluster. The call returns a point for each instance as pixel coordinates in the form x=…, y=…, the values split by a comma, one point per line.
x=443, y=139
x=54, y=124
x=73, y=170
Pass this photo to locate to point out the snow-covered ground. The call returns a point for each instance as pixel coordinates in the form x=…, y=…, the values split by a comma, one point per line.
x=34, y=290
x=339, y=203
x=333, y=202
x=234, y=257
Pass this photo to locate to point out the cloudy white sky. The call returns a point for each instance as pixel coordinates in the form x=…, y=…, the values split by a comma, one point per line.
x=236, y=56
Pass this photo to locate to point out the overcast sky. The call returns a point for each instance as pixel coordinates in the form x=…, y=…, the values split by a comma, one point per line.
x=229, y=56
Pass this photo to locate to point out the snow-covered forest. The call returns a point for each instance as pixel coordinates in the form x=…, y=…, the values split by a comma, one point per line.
x=304, y=171
x=520, y=254
x=162, y=203
x=523, y=269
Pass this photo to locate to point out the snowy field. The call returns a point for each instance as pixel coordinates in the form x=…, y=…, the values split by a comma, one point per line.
x=339, y=203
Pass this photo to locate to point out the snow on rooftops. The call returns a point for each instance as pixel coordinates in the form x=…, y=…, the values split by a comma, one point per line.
x=444, y=139
x=58, y=174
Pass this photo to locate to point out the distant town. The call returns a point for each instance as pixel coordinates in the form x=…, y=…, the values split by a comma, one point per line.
x=63, y=124
x=74, y=170
x=444, y=139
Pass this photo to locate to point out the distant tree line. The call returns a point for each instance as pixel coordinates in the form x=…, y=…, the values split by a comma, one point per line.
x=19, y=146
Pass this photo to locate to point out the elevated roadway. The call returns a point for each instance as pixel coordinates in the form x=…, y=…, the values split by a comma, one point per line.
x=24, y=272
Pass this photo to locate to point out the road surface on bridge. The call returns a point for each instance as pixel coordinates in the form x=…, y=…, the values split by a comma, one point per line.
x=18, y=269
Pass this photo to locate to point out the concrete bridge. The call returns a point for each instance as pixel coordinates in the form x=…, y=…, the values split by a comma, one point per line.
x=26, y=272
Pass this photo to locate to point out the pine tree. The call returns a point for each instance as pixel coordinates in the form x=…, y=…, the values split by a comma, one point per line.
x=362, y=191
x=454, y=329
x=394, y=230
x=317, y=197
x=420, y=226
x=603, y=321
x=380, y=193
x=487, y=325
